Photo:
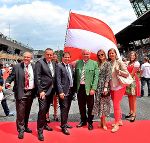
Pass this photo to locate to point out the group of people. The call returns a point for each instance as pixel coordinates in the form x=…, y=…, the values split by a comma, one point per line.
x=95, y=82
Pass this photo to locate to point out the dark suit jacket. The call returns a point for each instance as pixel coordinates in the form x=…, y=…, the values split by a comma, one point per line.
x=63, y=83
x=43, y=77
x=18, y=76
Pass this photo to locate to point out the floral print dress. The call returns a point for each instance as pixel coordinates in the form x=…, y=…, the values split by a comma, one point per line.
x=102, y=105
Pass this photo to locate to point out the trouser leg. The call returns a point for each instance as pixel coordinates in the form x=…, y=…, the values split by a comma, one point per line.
x=82, y=97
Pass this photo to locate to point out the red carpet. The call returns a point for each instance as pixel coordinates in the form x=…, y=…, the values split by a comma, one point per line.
x=137, y=132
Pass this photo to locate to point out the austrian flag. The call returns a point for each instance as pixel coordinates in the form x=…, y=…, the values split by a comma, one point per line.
x=84, y=32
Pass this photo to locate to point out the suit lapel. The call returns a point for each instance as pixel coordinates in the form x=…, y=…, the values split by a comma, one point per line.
x=47, y=67
x=22, y=73
x=65, y=69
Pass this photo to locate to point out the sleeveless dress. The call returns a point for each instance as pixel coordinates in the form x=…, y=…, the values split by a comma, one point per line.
x=134, y=89
x=102, y=105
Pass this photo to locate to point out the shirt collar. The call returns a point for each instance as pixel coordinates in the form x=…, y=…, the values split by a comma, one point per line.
x=27, y=65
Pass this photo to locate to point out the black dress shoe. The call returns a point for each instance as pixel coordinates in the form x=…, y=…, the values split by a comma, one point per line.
x=48, y=128
x=27, y=130
x=68, y=126
x=21, y=135
x=40, y=136
x=90, y=127
x=65, y=131
x=81, y=124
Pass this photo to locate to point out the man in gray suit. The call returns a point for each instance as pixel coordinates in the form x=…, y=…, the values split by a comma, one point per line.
x=45, y=84
x=64, y=78
x=23, y=77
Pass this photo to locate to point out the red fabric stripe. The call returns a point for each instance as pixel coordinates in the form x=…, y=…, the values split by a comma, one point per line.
x=78, y=21
x=76, y=53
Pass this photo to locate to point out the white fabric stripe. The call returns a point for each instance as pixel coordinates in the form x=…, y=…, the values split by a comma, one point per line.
x=83, y=39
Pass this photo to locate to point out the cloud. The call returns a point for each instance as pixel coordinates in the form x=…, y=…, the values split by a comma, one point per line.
x=39, y=23
x=117, y=14
x=42, y=24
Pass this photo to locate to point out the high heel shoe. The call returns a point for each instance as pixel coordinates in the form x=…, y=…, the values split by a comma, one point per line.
x=132, y=119
x=103, y=125
x=120, y=124
x=105, y=128
x=48, y=120
x=115, y=129
x=128, y=116
x=55, y=117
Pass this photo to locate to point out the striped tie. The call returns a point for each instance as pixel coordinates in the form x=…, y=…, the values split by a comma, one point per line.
x=82, y=80
x=26, y=77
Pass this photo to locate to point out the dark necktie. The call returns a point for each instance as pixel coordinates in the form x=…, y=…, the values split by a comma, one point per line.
x=26, y=78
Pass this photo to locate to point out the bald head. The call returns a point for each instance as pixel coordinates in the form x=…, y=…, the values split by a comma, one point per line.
x=86, y=55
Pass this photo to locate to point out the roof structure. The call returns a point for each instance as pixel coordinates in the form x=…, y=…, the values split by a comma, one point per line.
x=139, y=29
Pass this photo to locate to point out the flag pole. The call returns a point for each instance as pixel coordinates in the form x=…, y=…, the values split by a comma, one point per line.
x=67, y=26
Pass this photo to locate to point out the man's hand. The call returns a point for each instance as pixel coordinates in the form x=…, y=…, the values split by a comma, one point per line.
x=61, y=95
x=8, y=85
x=42, y=95
x=92, y=92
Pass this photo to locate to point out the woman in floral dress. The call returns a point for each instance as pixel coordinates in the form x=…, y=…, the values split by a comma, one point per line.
x=102, y=97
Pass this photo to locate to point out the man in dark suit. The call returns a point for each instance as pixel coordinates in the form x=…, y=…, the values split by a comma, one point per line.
x=23, y=77
x=65, y=89
x=45, y=84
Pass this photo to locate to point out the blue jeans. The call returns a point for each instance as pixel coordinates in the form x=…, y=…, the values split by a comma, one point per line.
x=143, y=81
x=5, y=107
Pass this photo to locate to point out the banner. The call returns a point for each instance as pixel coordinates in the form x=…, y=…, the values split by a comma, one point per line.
x=84, y=32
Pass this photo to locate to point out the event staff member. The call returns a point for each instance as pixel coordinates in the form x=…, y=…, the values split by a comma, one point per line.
x=145, y=75
x=23, y=76
x=45, y=83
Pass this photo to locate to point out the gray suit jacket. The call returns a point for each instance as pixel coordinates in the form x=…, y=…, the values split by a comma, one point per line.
x=18, y=76
x=62, y=78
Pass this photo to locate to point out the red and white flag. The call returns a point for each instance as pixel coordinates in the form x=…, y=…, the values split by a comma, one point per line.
x=84, y=32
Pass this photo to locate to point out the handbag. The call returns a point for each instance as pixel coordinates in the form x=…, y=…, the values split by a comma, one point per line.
x=125, y=80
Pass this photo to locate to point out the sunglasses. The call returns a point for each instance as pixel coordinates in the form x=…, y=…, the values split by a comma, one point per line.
x=101, y=55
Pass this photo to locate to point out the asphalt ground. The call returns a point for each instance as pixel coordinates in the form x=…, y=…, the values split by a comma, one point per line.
x=143, y=109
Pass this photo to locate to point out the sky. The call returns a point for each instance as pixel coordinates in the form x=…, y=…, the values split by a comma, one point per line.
x=42, y=24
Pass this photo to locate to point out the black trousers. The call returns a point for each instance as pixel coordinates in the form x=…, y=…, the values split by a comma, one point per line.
x=23, y=108
x=65, y=107
x=83, y=101
x=143, y=81
x=44, y=105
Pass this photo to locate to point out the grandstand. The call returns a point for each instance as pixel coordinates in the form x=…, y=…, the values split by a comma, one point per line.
x=136, y=36
x=11, y=50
